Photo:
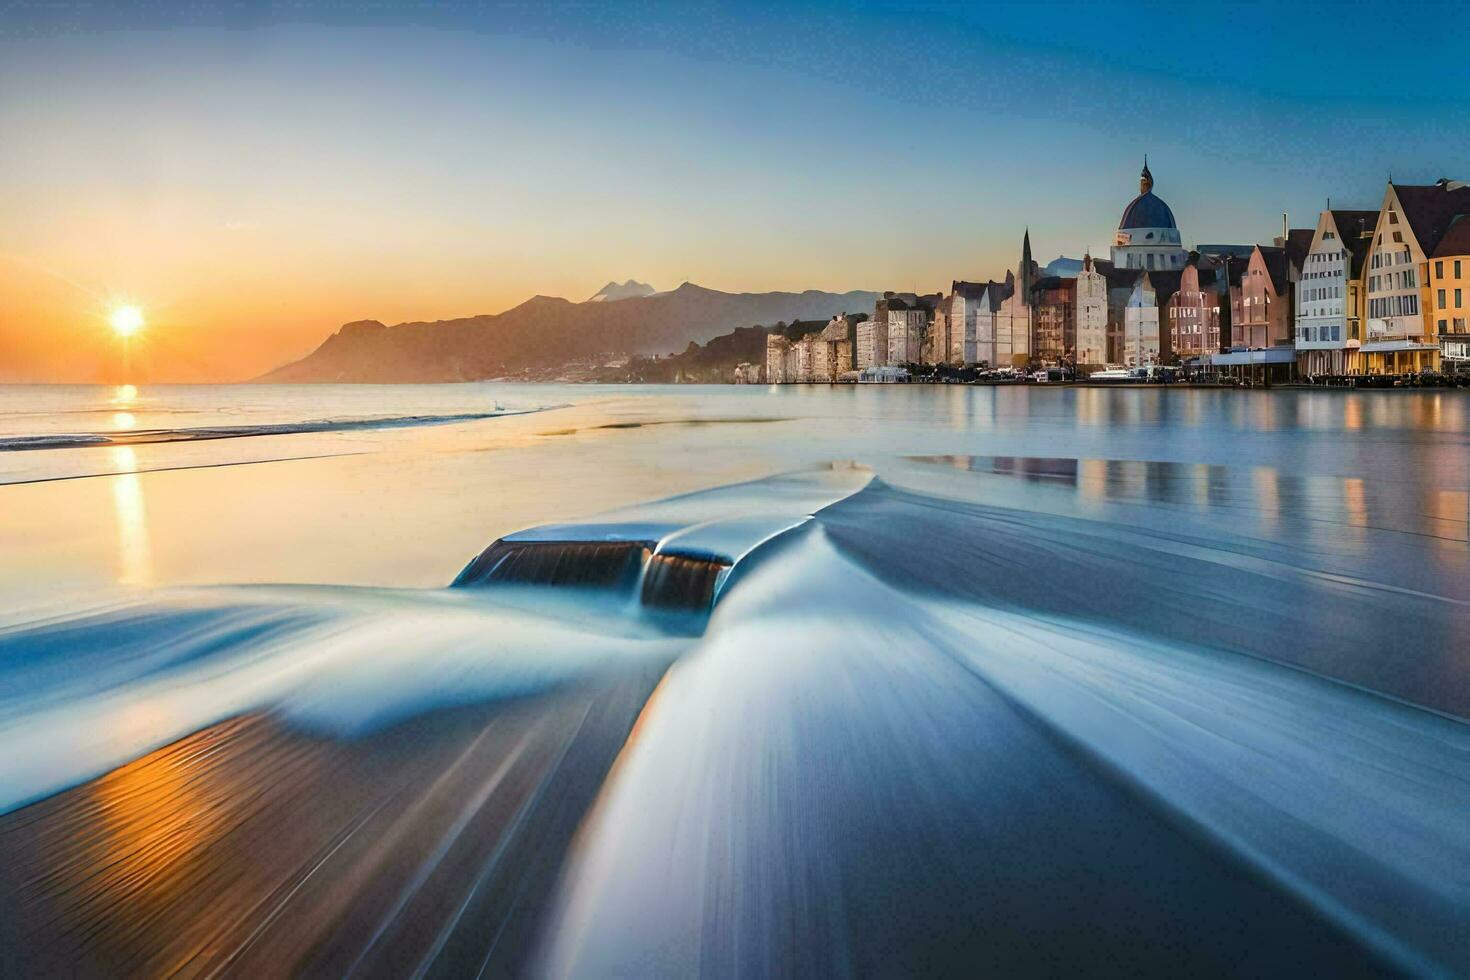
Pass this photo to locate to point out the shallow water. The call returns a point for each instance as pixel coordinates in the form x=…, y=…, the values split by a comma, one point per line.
x=983, y=665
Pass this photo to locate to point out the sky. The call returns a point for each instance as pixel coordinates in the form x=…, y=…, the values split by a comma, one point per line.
x=253, y=175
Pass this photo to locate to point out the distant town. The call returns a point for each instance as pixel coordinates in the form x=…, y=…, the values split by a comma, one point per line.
x=1363, y=296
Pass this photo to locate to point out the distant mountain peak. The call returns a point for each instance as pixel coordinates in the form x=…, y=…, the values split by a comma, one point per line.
x=631, y=289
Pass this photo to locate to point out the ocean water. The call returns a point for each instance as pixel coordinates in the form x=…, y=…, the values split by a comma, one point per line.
x=942, y=678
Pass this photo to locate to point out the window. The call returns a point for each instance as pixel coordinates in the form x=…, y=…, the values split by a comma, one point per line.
x=1441, y=299
x=1398, y=236
x=1442, y=325
x=1457, y=299
x=1457, y=268
x=1439, y=270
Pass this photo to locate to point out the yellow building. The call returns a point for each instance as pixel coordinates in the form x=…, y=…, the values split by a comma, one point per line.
x=1401, y=321
x=1449, y=295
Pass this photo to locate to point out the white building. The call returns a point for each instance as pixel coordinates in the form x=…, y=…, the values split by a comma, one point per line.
x=806, y=356
x=872, y=342
x=961, y=309
x=906, y=328
x=777, y=350
x=1327, y=331
x=1141, y=337
x=1092, y=314
x=1147, y=237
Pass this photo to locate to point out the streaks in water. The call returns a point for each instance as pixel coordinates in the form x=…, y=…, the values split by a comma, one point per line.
x=82, y=440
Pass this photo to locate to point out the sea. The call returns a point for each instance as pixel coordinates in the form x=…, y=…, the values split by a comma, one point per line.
x=580, y=680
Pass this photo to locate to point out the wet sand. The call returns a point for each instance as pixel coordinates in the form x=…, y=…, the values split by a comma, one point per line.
x=250, y=849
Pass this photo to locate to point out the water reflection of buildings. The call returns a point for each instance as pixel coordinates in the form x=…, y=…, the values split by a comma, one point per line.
x=1328, y=512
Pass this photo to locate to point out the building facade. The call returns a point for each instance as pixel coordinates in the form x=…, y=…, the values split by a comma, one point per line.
x=1054, y=310
x=872, y=342
x=1145, y=337
x=1329, y=295
x=908, y=323
x=1449, y=289
x=1091, y=310
x=777, y=347
x=1193, y=312
x=1401, y=335
x=1260, y=307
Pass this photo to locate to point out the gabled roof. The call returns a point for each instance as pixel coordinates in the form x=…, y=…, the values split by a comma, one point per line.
x=1456, y=240
x=1275, y=259
x=1164, y=282
x=1355, y=231
x=1430, y=208
x=1298, y=244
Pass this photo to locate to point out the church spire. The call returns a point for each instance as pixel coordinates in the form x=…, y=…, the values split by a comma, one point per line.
x=1026, y=274
x=1145, y=179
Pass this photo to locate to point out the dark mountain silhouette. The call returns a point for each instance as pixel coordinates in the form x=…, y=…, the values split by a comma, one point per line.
x=546, y=332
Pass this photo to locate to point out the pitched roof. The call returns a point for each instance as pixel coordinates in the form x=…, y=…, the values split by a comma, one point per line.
x=1456, y=240
x=1275, y=259
x=1298, y=244
x=1165, y=283
x=1429, y=209
x=1355, y=231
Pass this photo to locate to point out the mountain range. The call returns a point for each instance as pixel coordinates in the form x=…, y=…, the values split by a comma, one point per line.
x=625, y=290
x=546, y=332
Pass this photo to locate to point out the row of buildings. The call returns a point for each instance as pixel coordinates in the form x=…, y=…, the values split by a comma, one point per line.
x=1380, y=292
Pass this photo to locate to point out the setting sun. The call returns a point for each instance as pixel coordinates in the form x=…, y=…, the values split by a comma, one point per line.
x=126, y=320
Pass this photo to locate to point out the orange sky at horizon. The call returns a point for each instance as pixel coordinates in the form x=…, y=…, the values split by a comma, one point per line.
x=234, y=322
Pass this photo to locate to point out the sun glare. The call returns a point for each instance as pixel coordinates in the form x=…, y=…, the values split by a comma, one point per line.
x=126, y=320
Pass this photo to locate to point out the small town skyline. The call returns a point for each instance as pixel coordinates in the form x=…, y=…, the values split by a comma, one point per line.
x=252, y=181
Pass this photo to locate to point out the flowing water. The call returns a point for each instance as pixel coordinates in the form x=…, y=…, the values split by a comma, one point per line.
x=652, y=681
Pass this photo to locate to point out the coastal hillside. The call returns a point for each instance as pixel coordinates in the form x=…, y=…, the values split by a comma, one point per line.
x=546, y=332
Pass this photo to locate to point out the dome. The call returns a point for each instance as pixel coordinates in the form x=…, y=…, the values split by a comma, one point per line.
x=1147, y=211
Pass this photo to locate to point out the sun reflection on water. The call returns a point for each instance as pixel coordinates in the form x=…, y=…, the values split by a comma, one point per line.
x=135, y=557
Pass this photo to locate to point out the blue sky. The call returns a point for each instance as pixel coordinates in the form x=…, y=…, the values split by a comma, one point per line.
x=440, y=159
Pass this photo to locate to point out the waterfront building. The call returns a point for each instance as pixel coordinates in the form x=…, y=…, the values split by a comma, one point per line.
x=1147, y=237
x=957, y=319
x=777, y=347
x=1004, y=330
x=1401, y=332
x=1449, y=289
x=1329, y=295
x=1193, y=312
x=908, y=322
x=834, y=354
x=1120, y=284
x=1145, y=338
x=1054, y=306
x=872, y=341
x=1260, y=306
x=806, y=356
x=1091, y=315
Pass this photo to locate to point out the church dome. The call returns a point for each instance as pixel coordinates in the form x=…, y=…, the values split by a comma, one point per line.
x=1146, y=210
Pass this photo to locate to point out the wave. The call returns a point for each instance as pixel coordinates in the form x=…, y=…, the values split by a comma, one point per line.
x=90, y=690
x=905, y=734
x=136, y=437
x=944, y=782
